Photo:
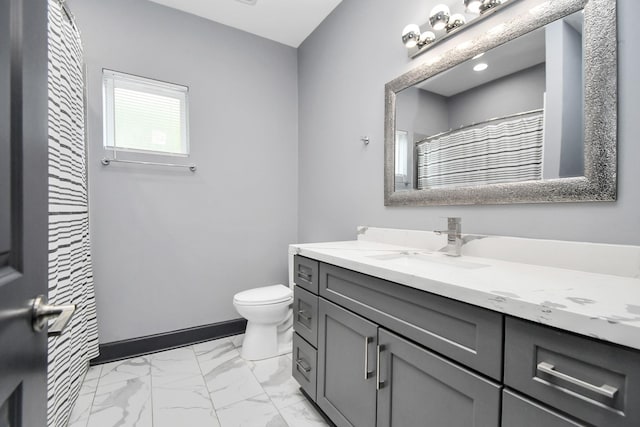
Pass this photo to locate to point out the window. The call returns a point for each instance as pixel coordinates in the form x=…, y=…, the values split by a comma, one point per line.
x=144, y=115
x=402, y=147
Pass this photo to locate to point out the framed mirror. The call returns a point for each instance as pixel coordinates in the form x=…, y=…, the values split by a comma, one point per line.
x=525, y=112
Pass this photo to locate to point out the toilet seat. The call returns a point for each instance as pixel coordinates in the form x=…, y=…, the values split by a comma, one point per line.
x=264, y=296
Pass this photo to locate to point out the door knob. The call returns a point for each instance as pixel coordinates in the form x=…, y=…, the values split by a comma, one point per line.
x=42, y=312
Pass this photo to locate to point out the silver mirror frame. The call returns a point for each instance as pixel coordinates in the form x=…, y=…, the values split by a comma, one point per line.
x=600, y=114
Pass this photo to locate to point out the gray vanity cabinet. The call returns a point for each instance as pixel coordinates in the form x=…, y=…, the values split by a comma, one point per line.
x=518, y=411
x=304, y=365
x=346, y=366
x=305, y=272
x=420, y=388
x=362, y=366
x=590, y=380
x=305, y=315
x=472, y=336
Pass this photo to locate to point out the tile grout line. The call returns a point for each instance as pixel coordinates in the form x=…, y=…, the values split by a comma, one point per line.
x=95, y=392
x=151, y=385
x=261, y=387
x=263, y=391
x=206, y=386
x=271, y=400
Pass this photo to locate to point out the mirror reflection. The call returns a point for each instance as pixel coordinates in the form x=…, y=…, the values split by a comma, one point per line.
x=514, y=113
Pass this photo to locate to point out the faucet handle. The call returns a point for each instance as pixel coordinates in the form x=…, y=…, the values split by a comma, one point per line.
x=454, y=226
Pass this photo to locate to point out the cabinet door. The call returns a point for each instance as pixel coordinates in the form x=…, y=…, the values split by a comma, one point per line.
x=346, y=366
x=419, y=388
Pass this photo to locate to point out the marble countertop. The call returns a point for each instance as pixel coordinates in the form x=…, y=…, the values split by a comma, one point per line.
x=596, y=305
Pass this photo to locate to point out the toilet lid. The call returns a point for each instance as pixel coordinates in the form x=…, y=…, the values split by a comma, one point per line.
x=264, y=295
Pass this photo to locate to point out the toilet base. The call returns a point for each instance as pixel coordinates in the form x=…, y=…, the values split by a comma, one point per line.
x=265, y=341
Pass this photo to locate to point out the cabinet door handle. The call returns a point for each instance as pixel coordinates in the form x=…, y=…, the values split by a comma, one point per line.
x=304, y=315
x=302, y=365
x=603, y=390
x=367, y=374
x=379, y=384
x=304, y=276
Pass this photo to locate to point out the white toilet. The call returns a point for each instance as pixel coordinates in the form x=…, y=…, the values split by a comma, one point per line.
x=269, y=320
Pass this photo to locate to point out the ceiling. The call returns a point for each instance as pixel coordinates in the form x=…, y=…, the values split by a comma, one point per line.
x=518, y=54
x=284, y=21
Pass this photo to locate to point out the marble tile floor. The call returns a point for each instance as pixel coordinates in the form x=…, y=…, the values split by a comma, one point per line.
x=202, y=385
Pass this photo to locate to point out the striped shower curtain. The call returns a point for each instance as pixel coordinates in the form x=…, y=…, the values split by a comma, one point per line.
x=70, y=273
x=510, y=151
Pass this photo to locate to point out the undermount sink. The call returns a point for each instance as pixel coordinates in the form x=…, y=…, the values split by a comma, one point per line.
x=424, y=258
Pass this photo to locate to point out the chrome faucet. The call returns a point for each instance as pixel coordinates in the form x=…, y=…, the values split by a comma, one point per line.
x=454, y=236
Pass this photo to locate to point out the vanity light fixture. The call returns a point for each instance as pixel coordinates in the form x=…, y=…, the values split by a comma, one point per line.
x=456, y=20
x=411, y=36
x=480, y=67
x=489, y=4
x=439, y=17
x=443, y=22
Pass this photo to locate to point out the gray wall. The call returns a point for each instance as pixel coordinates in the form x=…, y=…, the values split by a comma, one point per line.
x=420, y=113
x=341, y=96
x=171, y=248
x=564, y=127
x=496, y=98
x=572, y=159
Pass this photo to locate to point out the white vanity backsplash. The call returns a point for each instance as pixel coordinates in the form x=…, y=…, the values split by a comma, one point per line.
x=616, y=260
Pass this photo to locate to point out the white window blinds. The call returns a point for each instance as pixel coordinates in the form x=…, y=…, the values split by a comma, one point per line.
x=144, y=115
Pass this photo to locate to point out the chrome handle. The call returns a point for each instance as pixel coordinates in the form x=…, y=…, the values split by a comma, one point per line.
x=303, y=314
x=367, y=374
x=42, y=312
x=379, y=384
x=604, y=390
x=304, y=276
x=302, y=366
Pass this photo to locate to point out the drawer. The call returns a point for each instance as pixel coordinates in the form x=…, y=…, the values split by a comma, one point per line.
x=305, y=273
x=517, y=411
x=596, y=382
x=305, y=315
x=470, y=335
x=304, y=365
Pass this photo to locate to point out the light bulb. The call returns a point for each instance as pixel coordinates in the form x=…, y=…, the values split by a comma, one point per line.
x=411, y=35
x=489, y=4
x=426, y=38
x=472, y=6
x=456, y=20
x=439, y=17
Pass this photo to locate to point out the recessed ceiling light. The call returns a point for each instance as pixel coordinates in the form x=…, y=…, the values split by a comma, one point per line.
x=480, y=67
x=249, y=2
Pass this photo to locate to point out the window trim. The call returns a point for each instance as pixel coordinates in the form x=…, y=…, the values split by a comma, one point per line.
x=159, y=87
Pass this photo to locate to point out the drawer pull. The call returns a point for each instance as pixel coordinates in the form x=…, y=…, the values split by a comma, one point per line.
x=604, y=390
x=379, y=384
x=304, y=315
x=304, y=276
x=302, y=365
x=367, y=374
